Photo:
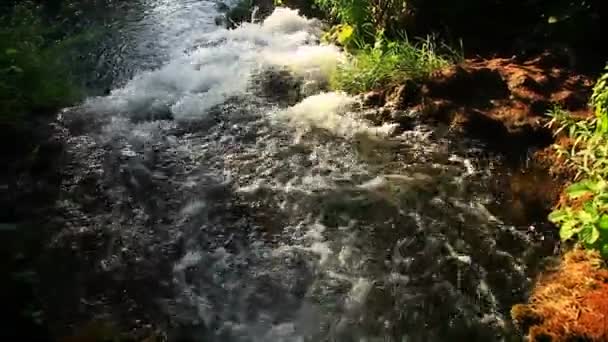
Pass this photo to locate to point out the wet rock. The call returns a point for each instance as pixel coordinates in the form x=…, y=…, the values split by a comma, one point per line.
x=222, y=7
x=220, y=20
x=374, y=98
x=570, y=100
x=248, y=10
x=278, y=85
x=405, y=118
x=378, y=116
x=305, y=7
x=403, y=95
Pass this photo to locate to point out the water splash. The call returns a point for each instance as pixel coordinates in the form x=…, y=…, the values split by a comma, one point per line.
x=191, y=84
x=334, y=112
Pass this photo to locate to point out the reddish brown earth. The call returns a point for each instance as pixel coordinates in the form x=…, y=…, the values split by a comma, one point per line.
x=569, y=304
x=503, y=101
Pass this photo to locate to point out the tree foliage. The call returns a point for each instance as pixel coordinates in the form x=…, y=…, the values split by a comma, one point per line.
x=33, y=77
x=481, y=24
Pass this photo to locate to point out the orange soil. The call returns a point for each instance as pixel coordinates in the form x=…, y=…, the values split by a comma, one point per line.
x=513, y=93
x=570, y=304
x=502, y=100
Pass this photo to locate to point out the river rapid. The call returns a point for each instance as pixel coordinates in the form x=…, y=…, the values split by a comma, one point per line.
x=219, y=192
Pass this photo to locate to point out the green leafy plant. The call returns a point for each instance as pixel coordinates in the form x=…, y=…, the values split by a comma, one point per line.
x=585, y=215
x=342, y=35
x=588, y=152
x=33, y=76
x=367, y=17
x=599, y=102
x=587, y=220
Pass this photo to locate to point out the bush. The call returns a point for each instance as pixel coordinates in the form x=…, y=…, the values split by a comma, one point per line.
x=368, y=17
x=383, y=64
x=514, y=26
x=585, y=214
x=33, y=77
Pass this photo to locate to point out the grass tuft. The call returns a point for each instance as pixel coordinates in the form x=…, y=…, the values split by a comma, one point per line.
x=387, y=63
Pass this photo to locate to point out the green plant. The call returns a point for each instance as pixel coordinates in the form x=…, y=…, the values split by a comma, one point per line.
x=33, y=75
x=368, y=18
x=587, y=220
x=342, y=35
x=585, y=215
x=388, y=62
x=587, y=152
x=599, y=102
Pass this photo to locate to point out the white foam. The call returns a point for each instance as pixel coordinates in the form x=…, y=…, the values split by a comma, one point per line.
x=288, y=21
x=192, y=258
x=191, y=83
x=334, y=112
x=358, y=293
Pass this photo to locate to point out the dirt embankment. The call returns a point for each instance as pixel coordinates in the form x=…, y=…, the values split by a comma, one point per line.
x=502, y=101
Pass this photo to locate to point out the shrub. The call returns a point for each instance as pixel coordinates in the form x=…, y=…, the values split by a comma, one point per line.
x=585, y=214
x=33, y=77
x=599, y=102
x=368, y=17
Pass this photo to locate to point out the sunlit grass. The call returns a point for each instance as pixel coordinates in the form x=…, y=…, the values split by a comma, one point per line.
x=383, y=64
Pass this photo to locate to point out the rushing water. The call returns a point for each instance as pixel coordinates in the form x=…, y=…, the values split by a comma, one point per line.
x=222, y=195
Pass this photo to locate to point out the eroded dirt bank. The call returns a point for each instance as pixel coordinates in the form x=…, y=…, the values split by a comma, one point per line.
x=502, y=101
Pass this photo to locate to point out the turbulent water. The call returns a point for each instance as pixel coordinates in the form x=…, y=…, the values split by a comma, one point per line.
x=225, y=196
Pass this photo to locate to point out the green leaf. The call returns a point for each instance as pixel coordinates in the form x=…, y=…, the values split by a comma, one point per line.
x=589, y=234
x=345, y=34
x=591, y=209
x=577, y=190
x=560, y=215
x=597, y=186
x=604, y=250
x=15, y=69
x=603, y=222
x=11, y=51
x=566, y=232
x=585, y=217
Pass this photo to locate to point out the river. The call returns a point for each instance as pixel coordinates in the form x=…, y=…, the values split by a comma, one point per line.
x=220, y=193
